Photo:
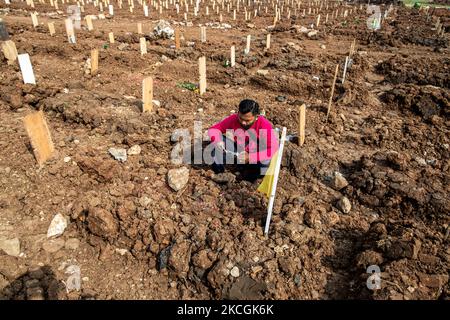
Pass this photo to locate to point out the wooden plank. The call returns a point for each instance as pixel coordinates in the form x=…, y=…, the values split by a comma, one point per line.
x=94, y=61
x=40, y=137
x=34, y=19
x=51, y=28
x=90, y=26
x=332, y=91
x=247, y=47
x=111, y=37
x=301, y=124
x=143, y=45
x=268, y=41
x=233, y=56
x=202, y=72
x=177, y=39
x=147, y=94
x=69, y=30
x=10, y=51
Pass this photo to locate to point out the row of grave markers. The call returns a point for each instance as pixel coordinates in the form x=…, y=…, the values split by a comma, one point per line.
x=278, y=10
x=36, y=123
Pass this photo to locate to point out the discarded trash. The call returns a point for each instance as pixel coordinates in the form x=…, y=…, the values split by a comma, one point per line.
x=118, y=153
x=57, y=226
x=188, y=85
x=163, y=30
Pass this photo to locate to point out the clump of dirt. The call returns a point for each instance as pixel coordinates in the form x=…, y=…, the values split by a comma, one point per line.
x=427, y=101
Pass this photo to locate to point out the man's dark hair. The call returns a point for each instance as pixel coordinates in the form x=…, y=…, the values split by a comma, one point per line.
x=247, y=106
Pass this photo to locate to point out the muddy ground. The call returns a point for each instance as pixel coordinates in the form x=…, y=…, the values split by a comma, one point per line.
x=134, y=237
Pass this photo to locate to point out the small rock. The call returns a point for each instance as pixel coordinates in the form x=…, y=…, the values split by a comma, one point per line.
x=178, y=178
x=57, y=226
x=121, y=251
x=67, y=159
x=281, y=98
x=144, y=201
x=312, y=33
x=134, y=150
x=234, y=272
x=102, y=223
x=338, y=181
x=421, y=161
x=72, y=244
x=223, y=178
x=122, y=46
x=53, y=245
x=119, y=154
x=250, y=25
x=10, y=247
x=344, y=205
x=36, y=293
x=262, y=72
x=164, y=58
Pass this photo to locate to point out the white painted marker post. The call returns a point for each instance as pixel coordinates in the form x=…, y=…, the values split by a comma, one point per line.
x=34, y=19
x=247, y=48
x=143, y=44
x=275, y=181
x=202, y=72
x=90, y=26
x=111, y=10
x=203, y=34
x=233, y=56
x=345, y=69
x=94, y=61
x=26, y=68
x=51, y=28
x=69, y=30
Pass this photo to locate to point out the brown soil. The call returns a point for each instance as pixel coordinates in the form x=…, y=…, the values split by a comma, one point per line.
x=387, y=133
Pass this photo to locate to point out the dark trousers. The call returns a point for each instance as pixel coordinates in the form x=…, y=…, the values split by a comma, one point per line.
x=249, y=171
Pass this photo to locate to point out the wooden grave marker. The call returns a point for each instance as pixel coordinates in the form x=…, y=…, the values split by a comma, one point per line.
x=233, y=56
x=90, y=26
x=332, y=91
x=40, y=138
x=26, y=68
x=301, y=124
x=202, y=72
x=9, y=51
x=147, y=94
x=177, y=39
x=247, y=47
x=143, y=45
x=94, y=61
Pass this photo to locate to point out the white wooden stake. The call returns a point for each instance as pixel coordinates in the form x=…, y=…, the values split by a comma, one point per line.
x=247, y=48
x=275, y=181
x=233, y=56
x=345, y=69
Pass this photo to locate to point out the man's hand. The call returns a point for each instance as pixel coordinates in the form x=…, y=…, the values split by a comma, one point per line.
x=243, y=157
x=220, y=146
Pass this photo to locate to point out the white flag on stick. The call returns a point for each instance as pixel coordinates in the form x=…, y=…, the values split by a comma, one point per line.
x=269, y=184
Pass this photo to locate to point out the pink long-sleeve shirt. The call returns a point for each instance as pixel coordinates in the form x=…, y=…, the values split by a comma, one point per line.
x=260, y=141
